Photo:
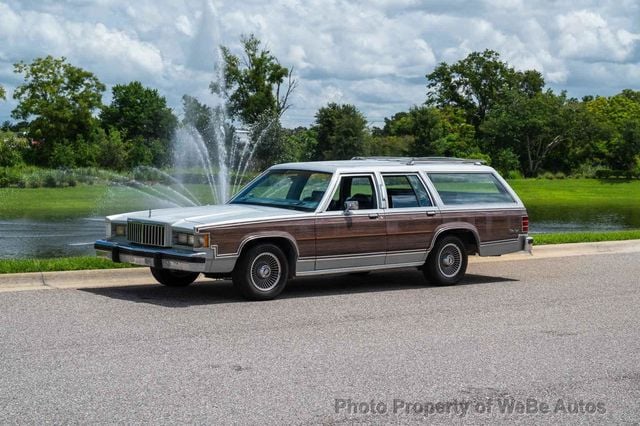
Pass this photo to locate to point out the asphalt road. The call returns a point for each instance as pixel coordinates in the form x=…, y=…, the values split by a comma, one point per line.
x=385, y=348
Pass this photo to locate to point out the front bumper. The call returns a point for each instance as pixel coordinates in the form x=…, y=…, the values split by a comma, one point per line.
x=157, y=257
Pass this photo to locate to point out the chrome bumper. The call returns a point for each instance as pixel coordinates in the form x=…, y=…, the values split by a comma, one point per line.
x=527, y=243
x=156, y=257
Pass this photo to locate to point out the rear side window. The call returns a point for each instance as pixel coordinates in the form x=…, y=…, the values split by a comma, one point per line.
x=406, y=191
x=470, y=188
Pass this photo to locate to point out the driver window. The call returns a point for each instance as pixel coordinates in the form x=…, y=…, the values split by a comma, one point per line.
x=354, y=188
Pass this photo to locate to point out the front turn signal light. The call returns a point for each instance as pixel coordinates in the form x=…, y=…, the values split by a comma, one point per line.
x=201, y=241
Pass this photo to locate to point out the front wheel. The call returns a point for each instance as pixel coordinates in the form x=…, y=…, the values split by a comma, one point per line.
x=447, y=262
x=173, y=278
x=261, y=272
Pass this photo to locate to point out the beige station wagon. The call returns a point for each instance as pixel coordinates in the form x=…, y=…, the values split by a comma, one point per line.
x=312, y=218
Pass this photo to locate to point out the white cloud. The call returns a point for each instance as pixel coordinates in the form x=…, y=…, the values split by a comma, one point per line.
x=587, y=35
x=374, y=54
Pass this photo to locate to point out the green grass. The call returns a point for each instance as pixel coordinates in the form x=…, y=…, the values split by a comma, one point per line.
x=13, y=266
x=81, y=201
x=585, y=237
x=590, y=193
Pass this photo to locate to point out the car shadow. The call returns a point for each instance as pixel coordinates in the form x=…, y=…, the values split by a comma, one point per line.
x=211, y=292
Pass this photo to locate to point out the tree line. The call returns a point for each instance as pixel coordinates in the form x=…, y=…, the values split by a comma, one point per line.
x=478, y=107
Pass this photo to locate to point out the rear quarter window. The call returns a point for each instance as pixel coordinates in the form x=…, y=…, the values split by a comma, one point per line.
x=470, y=188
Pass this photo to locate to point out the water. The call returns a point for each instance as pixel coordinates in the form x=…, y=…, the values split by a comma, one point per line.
x=588, y=218
x=32, y=239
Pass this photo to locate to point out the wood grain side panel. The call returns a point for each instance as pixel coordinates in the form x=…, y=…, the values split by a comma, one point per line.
x=229, y=238
x=491, y=225
x=347, y=235
x=410, y=231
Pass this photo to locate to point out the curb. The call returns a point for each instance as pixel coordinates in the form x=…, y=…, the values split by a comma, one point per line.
x=141, y=276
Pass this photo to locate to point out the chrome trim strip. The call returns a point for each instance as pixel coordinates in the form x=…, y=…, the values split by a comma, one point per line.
x=360, y=268
x=252, y=237
x=230, y=223
x=351, y=256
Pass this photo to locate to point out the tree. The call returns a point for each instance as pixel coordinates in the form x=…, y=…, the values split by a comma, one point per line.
x=619, y=118
x=434, y=132
x=142, y=117
x=58, y=99
x=531, y=127
x=3, y=94
x=254, y=85
x=341, y=131
x=300, y=144
x=256, y=89
x=477, y=82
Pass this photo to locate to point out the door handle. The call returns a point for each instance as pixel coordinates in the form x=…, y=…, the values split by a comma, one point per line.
x=431, y=213
x=373, y=215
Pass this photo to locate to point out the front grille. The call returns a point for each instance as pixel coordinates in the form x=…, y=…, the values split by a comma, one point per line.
x=146, y=233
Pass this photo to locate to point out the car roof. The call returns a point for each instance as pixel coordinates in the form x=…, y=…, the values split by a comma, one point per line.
x=390, y=164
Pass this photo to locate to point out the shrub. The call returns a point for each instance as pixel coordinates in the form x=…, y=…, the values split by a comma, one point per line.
x=514, y=174
x=50, y=181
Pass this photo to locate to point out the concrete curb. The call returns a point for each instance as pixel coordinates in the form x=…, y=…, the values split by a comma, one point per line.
x=141, y=276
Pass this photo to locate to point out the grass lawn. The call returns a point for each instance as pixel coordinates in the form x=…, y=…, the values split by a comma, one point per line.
x=84, y=201
x=585, y=237
x=13, y=266
x=580, y=193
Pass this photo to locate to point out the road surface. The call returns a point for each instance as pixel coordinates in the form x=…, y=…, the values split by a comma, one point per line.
x=528, y=340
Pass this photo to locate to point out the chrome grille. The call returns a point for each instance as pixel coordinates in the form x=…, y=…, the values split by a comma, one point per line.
x=146, y=233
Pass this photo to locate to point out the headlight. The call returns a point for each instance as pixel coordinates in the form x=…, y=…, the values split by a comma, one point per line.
x=116, y=229
x=121, y=230
x=182, y=238
x=197, y=240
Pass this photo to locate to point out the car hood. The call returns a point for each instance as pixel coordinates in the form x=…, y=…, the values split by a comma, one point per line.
x=192, y=217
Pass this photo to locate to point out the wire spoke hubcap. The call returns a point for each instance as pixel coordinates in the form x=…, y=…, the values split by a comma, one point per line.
x=450, y=260
x=265, y=271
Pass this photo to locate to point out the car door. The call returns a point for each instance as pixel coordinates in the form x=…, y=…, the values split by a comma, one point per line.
x=356, y=238
x=410, y=217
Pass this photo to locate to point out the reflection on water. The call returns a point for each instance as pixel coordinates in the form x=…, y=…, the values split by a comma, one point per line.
x=26, y=238
x=571, y=219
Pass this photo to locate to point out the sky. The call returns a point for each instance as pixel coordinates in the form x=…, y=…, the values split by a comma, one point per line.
x=373, y=54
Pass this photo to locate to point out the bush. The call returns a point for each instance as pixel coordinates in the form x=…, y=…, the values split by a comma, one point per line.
x=50, y=181
x=12, y=149
x=514, y=174
x=33, y=181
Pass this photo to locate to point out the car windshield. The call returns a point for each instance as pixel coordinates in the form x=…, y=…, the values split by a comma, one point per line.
x=289, y=189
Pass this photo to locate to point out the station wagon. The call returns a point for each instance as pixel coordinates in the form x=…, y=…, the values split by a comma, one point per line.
x=312, y=218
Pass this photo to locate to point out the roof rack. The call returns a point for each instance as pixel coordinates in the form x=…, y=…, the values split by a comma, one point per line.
x=421, y=160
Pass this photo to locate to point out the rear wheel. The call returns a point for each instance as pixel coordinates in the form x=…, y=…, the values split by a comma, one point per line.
x=173, y=278
x=261, y=272
x=447, y=262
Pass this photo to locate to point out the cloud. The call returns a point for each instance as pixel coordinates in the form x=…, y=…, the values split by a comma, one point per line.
x=587, y=35
x=374, y=55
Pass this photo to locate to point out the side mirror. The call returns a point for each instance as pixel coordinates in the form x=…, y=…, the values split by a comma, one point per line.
x=351, y=205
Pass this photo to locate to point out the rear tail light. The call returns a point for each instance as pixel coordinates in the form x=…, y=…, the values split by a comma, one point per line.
x=525, y=224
